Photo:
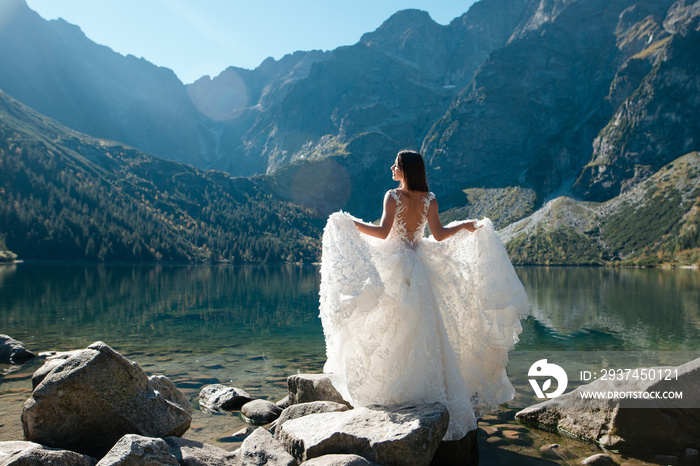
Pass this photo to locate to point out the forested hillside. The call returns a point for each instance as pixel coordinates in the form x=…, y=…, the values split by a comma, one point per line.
x=67, y=196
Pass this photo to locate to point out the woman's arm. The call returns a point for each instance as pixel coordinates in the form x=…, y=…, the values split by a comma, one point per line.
x=441, y=233
x=382, y=230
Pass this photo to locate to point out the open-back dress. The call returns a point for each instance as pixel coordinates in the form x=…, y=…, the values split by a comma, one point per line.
x=410, y=319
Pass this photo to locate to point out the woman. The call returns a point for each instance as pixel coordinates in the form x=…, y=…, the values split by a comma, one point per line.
x=414, y=319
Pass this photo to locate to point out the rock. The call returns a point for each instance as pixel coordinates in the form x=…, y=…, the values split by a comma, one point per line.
x=389, y=435
x=549, y=451
x=13, y=351
x=191, y=453
x=241, y=434
x=33, y=454
x=629, y=424
x=284, y=402
x=312, y=387
x=496, y=441
x=218, y=397
x=136, y=450
x=338, y=460
x=599, y=460
x=258, y=412
x=50, y=363
x=555, y=451
x=94, y=398
x=517, y=438
x=262, y=448
x=170, y=392
x=304, y=409
x=458, y=452
x=691, y=456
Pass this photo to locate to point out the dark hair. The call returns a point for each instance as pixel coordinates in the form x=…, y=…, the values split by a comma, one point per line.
x=413, y=168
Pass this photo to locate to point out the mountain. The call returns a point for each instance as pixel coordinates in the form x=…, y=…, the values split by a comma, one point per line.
x=585, y=97
x=514, y=104
x=52, y=67
x=656, y=222
x=656, y=97
x=68, y=196
x=377, y=96
x=535, y=106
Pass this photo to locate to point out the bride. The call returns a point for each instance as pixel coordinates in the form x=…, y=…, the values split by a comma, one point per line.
x=414, y=319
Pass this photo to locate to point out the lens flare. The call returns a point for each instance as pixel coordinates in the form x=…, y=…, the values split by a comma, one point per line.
x=222, y=98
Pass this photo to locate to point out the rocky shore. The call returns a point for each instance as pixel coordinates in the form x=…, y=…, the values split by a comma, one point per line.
x=96, y=407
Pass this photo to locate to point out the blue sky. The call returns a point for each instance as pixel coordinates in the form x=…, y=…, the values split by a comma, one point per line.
x=198, y=37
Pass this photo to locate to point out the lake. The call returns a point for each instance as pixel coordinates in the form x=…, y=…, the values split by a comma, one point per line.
x=252, y=326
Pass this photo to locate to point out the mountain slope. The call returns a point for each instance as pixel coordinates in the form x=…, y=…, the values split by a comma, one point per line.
x=52, y=67
x=657, y=115
x=534, y=107
x=68, y=196
x=657, y=222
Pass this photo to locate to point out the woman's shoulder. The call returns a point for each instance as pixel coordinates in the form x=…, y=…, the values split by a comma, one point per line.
x=395, y=193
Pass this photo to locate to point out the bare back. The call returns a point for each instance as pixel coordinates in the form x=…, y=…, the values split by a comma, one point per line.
x=411, y=215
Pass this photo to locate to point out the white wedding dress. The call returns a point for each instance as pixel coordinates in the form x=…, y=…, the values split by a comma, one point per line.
x=416, y=320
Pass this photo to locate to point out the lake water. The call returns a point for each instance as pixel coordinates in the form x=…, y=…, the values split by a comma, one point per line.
x=252, y=326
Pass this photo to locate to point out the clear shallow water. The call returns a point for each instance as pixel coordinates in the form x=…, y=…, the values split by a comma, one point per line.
x=253, y=326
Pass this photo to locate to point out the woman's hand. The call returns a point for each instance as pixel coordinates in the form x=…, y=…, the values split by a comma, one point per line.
x=469, y=225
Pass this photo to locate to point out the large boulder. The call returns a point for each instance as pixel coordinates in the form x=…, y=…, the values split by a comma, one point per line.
x=220, y=398
x=389, y=435
x=304, y=388
x=94, y=398
x=50, y=363
x=304, y=409
x=192, y=453
x=137, y=450
x=13, y=351
x=262, y=448
x=33, y=454
x=635, y=421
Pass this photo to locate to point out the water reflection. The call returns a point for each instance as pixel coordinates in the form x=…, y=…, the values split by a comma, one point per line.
x=612, y=309
x=173, y=307
x=208, y=308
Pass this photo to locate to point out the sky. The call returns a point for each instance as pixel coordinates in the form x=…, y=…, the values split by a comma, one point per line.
x=204, y=37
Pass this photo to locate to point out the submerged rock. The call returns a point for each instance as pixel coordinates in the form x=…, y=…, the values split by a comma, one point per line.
x=14, y=351
x=33, y=454
x=388, y=435
x=218, y=397
x=94, y=398
x=136, y=450
x=634, y=422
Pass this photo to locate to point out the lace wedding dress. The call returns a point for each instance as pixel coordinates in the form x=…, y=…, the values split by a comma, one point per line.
x=408, y=319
